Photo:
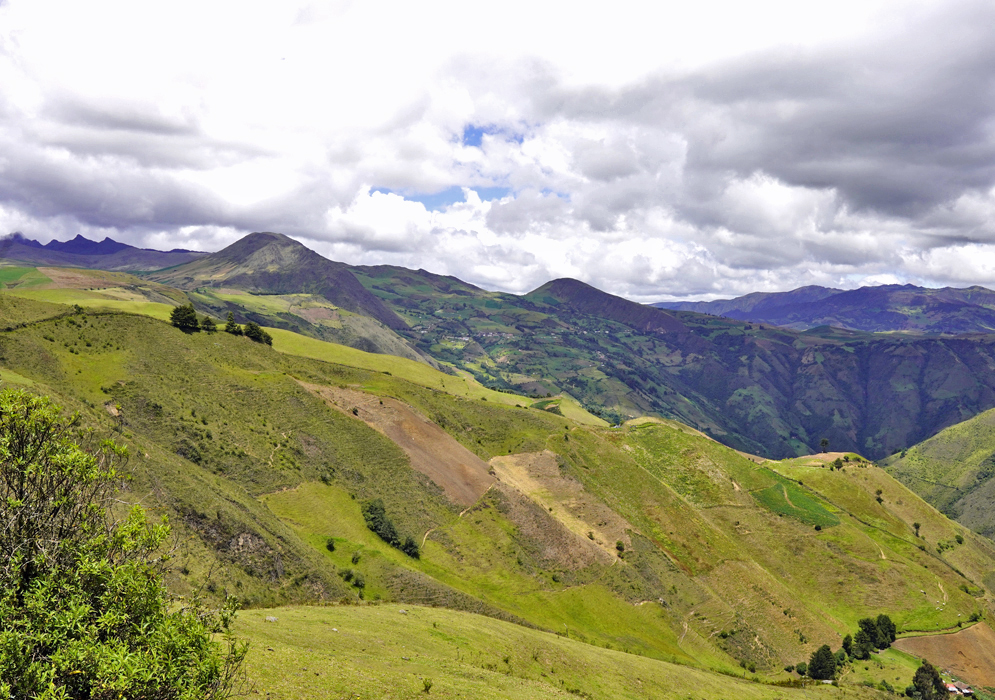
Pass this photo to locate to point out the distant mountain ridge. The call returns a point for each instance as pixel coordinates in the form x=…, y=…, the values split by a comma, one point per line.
x=107, y=254
x=877, y=309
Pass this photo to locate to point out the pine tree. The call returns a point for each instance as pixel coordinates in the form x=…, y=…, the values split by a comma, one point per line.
x=231, y=326
x=185, y=318
x=822, y=665
x=208, y=325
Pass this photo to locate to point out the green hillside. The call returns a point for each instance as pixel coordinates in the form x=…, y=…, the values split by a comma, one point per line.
x=648, y=538
x=955, y=471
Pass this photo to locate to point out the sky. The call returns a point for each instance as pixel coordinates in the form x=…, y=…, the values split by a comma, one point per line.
x=657, y=150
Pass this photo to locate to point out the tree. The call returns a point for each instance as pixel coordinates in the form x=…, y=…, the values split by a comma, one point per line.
x=824, y=444
x=231, y=326
x=887, y=632
x=802, y=668
x=254, y=332
x=863, y=644
x=208, y=325
x=848, y=645
x=916, y=526
x=822, y=665
x=84, y=609
x=184, y=318
x=928, y=683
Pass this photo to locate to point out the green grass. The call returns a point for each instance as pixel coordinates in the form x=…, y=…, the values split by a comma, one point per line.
x=228, y=442
x=787, y=498
x=417, y=372
x=96, y=301
x=22, y=277
x=379, y=651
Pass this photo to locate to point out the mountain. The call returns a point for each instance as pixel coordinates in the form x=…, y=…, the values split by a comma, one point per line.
x=683, y=556
x=768, y=391
x=873, y=309
x=764, y=390
x=955, y=471
x=108, y=254
x=755, y=301
x=273, y=280
x=271, y=263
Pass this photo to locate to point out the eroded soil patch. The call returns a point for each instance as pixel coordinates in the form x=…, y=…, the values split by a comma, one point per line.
x=462, y=475
x=968, y=654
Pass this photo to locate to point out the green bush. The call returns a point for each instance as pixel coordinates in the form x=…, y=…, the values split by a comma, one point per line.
x=84, y=609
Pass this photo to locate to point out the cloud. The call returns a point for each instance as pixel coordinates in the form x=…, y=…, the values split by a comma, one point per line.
x=657, y=153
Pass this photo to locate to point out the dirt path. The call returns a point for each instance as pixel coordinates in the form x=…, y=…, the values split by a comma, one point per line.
x=968, y=654
x=461, y=474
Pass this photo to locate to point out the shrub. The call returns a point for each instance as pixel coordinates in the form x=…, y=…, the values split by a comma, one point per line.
x=376, y=519
x=84, y=609
x=802, y=668
x=254, y=332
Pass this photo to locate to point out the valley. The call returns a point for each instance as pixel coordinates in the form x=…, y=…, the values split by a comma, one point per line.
x=575, y=534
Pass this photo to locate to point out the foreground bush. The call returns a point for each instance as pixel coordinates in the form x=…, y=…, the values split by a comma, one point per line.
x=84, y=610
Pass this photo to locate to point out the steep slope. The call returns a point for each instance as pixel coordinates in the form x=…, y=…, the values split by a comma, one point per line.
x=766, y=391
x=955, y=471
x=649, y=537
x=82, y=252
x=874, y=309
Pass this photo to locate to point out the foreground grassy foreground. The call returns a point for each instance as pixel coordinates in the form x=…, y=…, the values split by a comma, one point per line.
x=396, y=651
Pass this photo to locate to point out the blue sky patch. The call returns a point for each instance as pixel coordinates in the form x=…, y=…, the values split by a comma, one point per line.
x=436, y=201
x=473, y=134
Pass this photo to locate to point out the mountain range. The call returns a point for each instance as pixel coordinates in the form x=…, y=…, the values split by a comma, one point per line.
x=767, y=390
x=885, y=308
x=557, y=542
x=108, y=254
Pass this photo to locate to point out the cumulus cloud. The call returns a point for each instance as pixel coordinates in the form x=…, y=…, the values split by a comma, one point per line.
x=767, y=151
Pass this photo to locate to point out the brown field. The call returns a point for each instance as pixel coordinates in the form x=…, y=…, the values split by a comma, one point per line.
x=968, y=654
x=461, y=474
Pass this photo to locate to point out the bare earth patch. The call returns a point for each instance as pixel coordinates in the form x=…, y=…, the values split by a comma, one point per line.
x=538, y=476
x=460, y=473
x=968, y=654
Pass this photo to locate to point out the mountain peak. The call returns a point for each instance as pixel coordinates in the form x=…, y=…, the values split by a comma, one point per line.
x=591, y=300
x=272, y=263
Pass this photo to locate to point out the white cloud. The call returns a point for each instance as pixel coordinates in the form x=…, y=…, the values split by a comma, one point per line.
x=656, y=150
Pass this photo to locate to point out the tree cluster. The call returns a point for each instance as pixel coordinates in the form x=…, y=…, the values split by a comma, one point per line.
x=85, y=613
x=185, y=318
x=252, y=331
x=871, y=633
x=376, y=519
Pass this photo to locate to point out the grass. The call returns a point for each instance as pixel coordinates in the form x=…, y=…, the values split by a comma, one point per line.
x=416, y=372
x=229, y=444
x=96, y=301
x=390, y=650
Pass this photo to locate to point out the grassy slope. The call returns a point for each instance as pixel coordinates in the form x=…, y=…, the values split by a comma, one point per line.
x=222, y=419
x=955, y=471
x=382, y=652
